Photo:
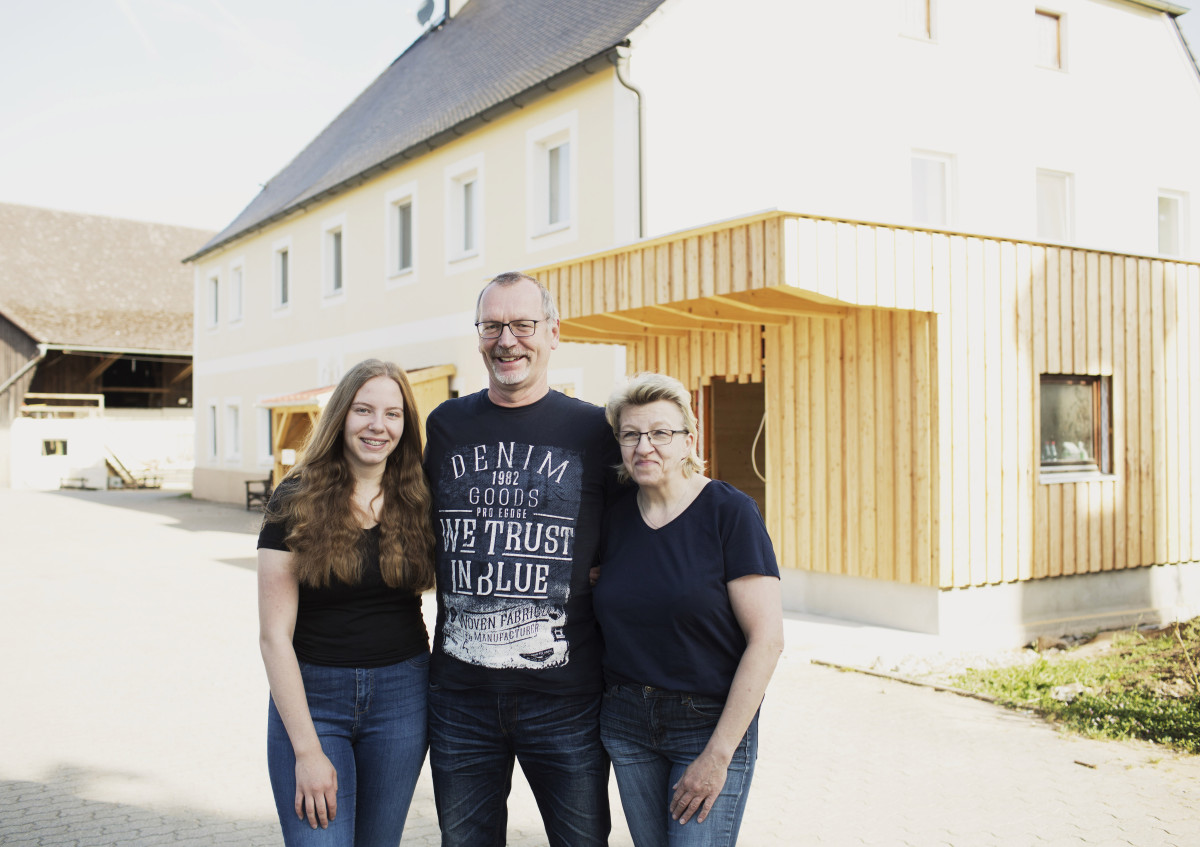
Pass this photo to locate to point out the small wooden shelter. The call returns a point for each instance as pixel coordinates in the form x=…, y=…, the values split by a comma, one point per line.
x=293, y=415
x=901, y=375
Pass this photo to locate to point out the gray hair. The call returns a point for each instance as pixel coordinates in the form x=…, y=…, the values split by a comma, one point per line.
x=549, y=309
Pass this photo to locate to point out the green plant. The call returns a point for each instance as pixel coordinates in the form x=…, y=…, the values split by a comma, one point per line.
x=1146, y=686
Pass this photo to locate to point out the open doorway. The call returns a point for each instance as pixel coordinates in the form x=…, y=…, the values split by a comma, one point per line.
x=732, y=441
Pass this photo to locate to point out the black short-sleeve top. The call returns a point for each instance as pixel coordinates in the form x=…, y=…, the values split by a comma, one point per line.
x=367, y=625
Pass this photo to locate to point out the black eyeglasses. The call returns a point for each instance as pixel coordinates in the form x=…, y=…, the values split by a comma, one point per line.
x=494, y=329
x=658, y=437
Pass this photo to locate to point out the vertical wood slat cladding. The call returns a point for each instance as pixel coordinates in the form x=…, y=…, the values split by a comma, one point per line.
x=17, y=349
x=858, y=491
x=903, y=445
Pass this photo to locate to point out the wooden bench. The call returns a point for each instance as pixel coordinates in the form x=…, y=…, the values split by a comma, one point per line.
x=148, y=480
x=258, y=492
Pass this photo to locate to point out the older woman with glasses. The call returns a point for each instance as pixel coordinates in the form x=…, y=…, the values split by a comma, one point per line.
x=689, y=604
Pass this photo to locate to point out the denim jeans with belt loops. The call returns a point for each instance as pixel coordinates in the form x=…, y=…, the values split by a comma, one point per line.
x=371, y=722
x=474, y=737
x=652, y=736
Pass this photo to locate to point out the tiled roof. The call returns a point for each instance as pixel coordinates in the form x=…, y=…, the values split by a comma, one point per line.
x=67, y=278
x=297, y=398
x=467, y=69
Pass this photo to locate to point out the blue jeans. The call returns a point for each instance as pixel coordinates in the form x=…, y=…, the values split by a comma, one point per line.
x=474, y=736
x=652, y=736
x=371, y=722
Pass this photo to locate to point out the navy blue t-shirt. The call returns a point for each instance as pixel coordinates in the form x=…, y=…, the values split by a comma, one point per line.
x=518, y=494
x=662, y=599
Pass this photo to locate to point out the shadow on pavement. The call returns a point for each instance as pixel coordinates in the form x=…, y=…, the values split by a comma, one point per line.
x=185, y=513
x=52, y=812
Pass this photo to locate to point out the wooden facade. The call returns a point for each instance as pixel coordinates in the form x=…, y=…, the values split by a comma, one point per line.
x=17, y=350
x=903, y=369
x=151, y=381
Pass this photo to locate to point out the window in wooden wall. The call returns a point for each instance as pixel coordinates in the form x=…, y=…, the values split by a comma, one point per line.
x=1076, y=431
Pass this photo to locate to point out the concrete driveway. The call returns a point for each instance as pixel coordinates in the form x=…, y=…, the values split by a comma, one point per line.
x=133, y=711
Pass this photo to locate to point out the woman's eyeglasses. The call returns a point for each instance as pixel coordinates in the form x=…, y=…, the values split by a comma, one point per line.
x=657, y=437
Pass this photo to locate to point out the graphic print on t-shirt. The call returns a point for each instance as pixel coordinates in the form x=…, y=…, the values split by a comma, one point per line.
x=507, y=513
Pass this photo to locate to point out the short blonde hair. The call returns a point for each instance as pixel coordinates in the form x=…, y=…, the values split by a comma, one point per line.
x=643, y=389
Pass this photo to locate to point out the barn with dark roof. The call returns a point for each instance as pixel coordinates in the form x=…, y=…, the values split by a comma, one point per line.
x=95, y=321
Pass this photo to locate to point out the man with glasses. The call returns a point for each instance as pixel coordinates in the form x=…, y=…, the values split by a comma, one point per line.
x=520, y=475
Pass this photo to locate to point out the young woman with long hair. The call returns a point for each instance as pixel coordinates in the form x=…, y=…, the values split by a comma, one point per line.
x=345, y=550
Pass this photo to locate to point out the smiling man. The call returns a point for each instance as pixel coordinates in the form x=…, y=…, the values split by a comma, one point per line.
x=520, y=475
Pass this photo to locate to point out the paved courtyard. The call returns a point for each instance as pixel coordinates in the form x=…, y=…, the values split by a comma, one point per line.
x=133, y=711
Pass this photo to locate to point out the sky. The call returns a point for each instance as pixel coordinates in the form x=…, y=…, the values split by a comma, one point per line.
x=177, y=111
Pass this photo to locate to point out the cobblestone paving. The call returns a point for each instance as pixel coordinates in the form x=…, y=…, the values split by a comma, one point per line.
x=133, y=709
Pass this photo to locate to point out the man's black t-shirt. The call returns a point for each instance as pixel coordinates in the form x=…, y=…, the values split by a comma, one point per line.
x=518, y=495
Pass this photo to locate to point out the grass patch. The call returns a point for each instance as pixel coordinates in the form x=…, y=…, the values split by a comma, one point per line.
x=1138, y=684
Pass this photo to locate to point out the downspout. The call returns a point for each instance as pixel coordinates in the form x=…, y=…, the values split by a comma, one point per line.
x=30, y=365
x=620, y=57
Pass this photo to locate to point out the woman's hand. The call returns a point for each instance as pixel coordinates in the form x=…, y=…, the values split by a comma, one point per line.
x=316, y=789
x=699, y=787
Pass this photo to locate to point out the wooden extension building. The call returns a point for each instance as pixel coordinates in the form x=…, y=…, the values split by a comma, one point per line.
x=952, y=433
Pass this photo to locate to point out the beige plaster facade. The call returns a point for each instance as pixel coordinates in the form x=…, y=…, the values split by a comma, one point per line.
x=258, y=348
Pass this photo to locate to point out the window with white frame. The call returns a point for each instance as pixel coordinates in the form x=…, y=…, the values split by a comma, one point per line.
x=468, y=193
x=558, y=177
x=237, y=274
x=1048, y=39
x=213, y=432
x=401, y=233
x=212, y=301
x=1172, y=213
x=333, y=257
x=916, y=18
x=233, y=431
x=464, y=210
x=1055, y=213
x=551, y=166
x=932, y=188
x=283, y=272
x=265, y=438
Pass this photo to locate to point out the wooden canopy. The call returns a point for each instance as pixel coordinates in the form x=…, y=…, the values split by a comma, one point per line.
x=902, y=373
